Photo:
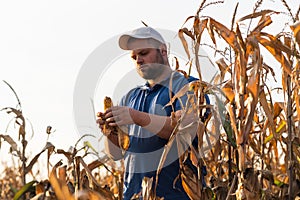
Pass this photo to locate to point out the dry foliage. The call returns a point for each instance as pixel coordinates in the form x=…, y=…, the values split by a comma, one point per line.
x=248, y=142
x=257, y=154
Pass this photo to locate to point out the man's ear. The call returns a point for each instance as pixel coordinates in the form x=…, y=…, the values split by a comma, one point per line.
x=163, y=50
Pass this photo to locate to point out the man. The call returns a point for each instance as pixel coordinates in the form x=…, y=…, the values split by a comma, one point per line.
x=148, y=122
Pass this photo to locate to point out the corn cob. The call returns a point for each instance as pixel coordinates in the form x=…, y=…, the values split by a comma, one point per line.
x=123, y=138
x=107, y=104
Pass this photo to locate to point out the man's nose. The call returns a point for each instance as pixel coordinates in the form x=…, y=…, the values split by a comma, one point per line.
x=139, y=60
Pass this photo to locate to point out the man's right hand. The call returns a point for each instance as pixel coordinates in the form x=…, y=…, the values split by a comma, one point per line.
x=103, y=125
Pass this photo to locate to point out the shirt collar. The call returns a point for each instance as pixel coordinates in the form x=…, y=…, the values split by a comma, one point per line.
x=164, y=82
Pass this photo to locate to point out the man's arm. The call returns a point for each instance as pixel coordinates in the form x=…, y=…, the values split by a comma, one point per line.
x=122, y=115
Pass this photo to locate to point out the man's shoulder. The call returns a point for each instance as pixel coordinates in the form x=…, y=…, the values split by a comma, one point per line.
x=179, y=80
x=180, y=76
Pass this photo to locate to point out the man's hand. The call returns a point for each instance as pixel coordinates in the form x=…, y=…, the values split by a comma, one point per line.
x=111, y=142
x=119, y=115
x=106, y=129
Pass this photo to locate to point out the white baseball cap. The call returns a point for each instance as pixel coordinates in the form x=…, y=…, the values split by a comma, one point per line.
x=140, y=33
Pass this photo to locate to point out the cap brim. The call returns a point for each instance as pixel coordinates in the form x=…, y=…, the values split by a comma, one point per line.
x=123, y=41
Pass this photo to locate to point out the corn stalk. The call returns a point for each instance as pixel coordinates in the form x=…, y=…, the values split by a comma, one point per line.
x=248, y=93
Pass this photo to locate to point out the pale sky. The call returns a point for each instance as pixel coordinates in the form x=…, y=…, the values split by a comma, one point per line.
x=43, y=45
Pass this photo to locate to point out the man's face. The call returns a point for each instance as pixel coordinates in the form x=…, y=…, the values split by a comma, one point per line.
x=148, y=59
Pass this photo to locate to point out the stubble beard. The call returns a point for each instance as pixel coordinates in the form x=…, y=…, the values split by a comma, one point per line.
x=153, y=70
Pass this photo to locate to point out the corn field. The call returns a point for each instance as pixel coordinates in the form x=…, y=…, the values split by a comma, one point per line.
x=249, y=143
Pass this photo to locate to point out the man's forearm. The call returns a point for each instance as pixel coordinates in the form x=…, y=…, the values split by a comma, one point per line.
x=159, y=125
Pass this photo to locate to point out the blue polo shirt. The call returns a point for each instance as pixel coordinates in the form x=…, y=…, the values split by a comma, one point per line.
x=145, y=150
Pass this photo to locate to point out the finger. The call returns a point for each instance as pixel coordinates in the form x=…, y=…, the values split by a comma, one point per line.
x=117, y=122
x=115, y=111
x=100, y=126
x=100, y=114
x=110, y=119
x=100, y=121
x=114, y=108
x=112, y=124
x=108, y=115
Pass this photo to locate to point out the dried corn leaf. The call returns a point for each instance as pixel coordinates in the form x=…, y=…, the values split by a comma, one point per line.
x=238, y=81
x=184, y=43
x=165, y=153
x=147, y=192
x=211, y=32
x=19, y=102
x=62, y=174
x=12, y=144
x=278, y=107
x=176, y=63
x=92, y=179
x=196, y=26
x=48, y=146
x=188, y=33
x=88, y=195
x=190, y=182
x=254, y=146
x=184, y=137
x=240, y=38
x=68, y=155
x=39, y=188
x=60, y=188
x=251, y=183
x=274, y=49
x=269, y=112
x=200, y=134
x=275, y=150
x=191, y=86
x=168, y=145
x=228, y=35
x=279, y=44
x=257, y=14
x=253, y=87
x=194, y=156
x=22, y=131
x=234, y=124
x=297, y=101
x=287, y=41
x=229, y=93
x=220, y=192
x=95, y=164
x=296, y=29
x=188, y=18
x=19, y=116
x=183, y=72
x=265, y=21
x=199, y=26
x=223, y=67
x=94, y=183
